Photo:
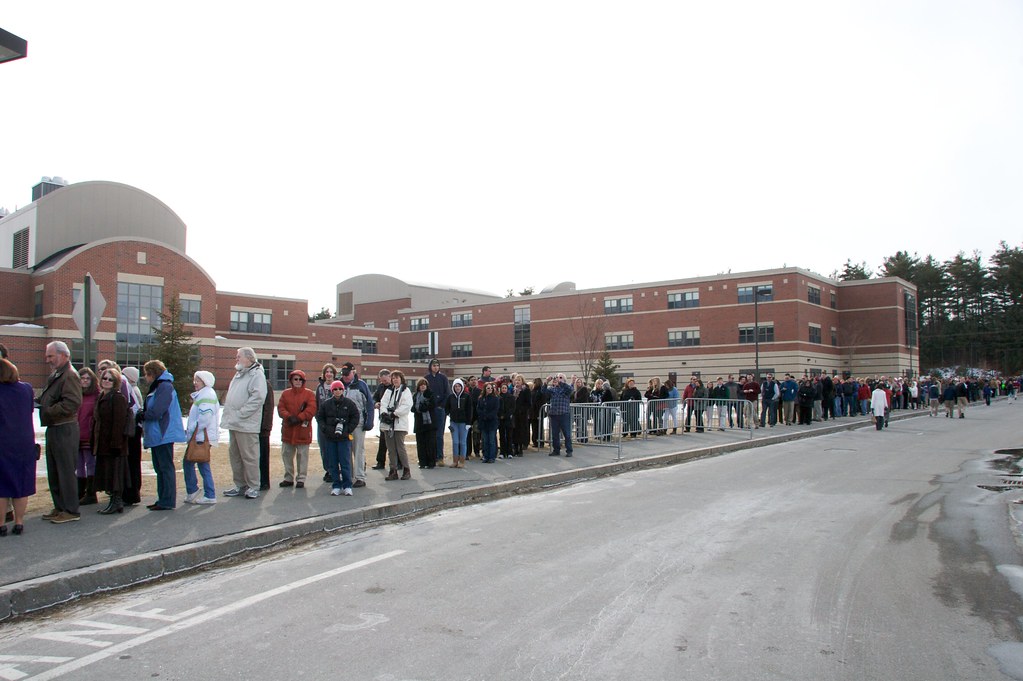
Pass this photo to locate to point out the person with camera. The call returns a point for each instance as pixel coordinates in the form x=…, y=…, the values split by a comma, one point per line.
x=395, y=407
x=338, y=418
x=559, y=398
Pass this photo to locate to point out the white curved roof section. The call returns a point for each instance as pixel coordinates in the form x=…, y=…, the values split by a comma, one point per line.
x=373, y=288
x=87, y=212
x=563, y=287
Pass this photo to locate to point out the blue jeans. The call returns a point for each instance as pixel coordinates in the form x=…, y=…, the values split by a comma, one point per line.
x=561, y=424
x=192, y=484
x=768, y=409
x=864, y=406
x=489, y=442
x=166, y=483
x=439, y=415
x=339, y=455
x=459, y=431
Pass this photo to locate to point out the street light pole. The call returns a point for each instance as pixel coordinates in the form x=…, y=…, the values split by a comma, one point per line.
x=756, y=331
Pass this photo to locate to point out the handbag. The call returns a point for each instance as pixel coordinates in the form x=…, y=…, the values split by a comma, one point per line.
x=198, y=452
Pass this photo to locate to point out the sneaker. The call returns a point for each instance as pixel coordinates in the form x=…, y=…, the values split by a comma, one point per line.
x=285, y=483
x=347, y=491
x=299, y=485
x=193, y=497
x=251, y=493
x=568, y=455
x=335, y=492
x=233, y=492
x=65, y=517
x=359, y=483
x=206, y=501
x=51, y=515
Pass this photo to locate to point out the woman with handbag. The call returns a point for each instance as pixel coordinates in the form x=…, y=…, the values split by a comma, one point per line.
x=109, y=441
x=203, y=432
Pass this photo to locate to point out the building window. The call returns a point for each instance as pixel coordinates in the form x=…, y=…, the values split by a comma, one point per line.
x=461, y=319
x=677, y=301
x=910, y=302
x=834, y=301
x=461, y=349
x=369, y=325
x=277, y=371
x=834, y=337
x=20, y=249
x=618, y=341
x=138, y=313
x=766, y=333
x=621, y=305
x=368, y=346
x=419, y=353
x=37, y=304
x=191, y=311
x=250, y=322
x=392, y=325
x=681, y=339
x=765, y=292
x=815, y=334
x=521, y=334
x=813, y=295
x=419, y=324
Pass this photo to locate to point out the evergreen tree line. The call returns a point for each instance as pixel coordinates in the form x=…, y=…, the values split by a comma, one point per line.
x=967, y=310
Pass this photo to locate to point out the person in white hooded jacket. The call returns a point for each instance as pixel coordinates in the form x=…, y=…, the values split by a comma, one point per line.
x=203, y=420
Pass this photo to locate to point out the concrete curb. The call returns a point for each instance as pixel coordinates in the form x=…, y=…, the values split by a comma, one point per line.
x=33, y=595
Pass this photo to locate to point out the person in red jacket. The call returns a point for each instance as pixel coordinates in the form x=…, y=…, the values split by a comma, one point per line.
x=297, y=407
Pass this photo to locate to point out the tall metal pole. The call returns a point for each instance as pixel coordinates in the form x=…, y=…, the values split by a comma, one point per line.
x=756, y=330
x=87, y=331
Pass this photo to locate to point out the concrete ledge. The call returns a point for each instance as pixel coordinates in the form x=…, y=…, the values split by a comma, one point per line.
x=33, y=595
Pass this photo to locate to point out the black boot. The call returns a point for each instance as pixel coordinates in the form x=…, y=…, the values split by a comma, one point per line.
x=116, y=505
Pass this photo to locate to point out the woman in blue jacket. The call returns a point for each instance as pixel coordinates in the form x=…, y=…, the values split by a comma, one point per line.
x=162, y=427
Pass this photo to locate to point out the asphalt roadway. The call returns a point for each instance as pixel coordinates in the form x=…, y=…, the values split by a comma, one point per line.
x=54, y=564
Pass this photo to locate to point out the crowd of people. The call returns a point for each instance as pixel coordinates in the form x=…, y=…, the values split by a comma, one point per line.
x=97, y=423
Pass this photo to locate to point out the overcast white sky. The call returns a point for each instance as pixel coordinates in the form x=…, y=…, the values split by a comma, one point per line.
x=596, y=142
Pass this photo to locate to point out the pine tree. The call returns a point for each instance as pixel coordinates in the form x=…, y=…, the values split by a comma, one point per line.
x=606, y=368
x=172, y=345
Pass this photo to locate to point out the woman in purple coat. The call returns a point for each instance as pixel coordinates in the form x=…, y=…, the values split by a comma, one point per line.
x=17, y=444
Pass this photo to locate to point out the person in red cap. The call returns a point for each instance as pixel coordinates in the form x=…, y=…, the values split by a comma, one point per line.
x=297, y=407
x=338, y=418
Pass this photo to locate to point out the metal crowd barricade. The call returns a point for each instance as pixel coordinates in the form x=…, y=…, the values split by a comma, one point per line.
x=598, y=425
x=711, y=413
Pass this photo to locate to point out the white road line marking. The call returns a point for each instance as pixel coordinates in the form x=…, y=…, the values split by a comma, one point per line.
x=206, y=617
x=9, y=664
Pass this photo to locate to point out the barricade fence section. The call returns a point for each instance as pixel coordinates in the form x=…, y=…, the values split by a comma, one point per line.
x=597, y=425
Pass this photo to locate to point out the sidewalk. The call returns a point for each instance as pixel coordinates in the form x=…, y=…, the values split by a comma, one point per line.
x=53, y=564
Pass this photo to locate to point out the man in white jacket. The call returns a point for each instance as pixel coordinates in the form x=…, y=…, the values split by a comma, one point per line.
x=241, y=416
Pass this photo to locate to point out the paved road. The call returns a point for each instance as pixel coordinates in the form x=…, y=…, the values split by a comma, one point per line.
x=857, y=555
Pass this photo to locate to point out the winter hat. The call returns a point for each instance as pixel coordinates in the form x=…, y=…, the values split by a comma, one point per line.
x=337, y=384
x=131, y=373
x=204, y=376
x=297, y=372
